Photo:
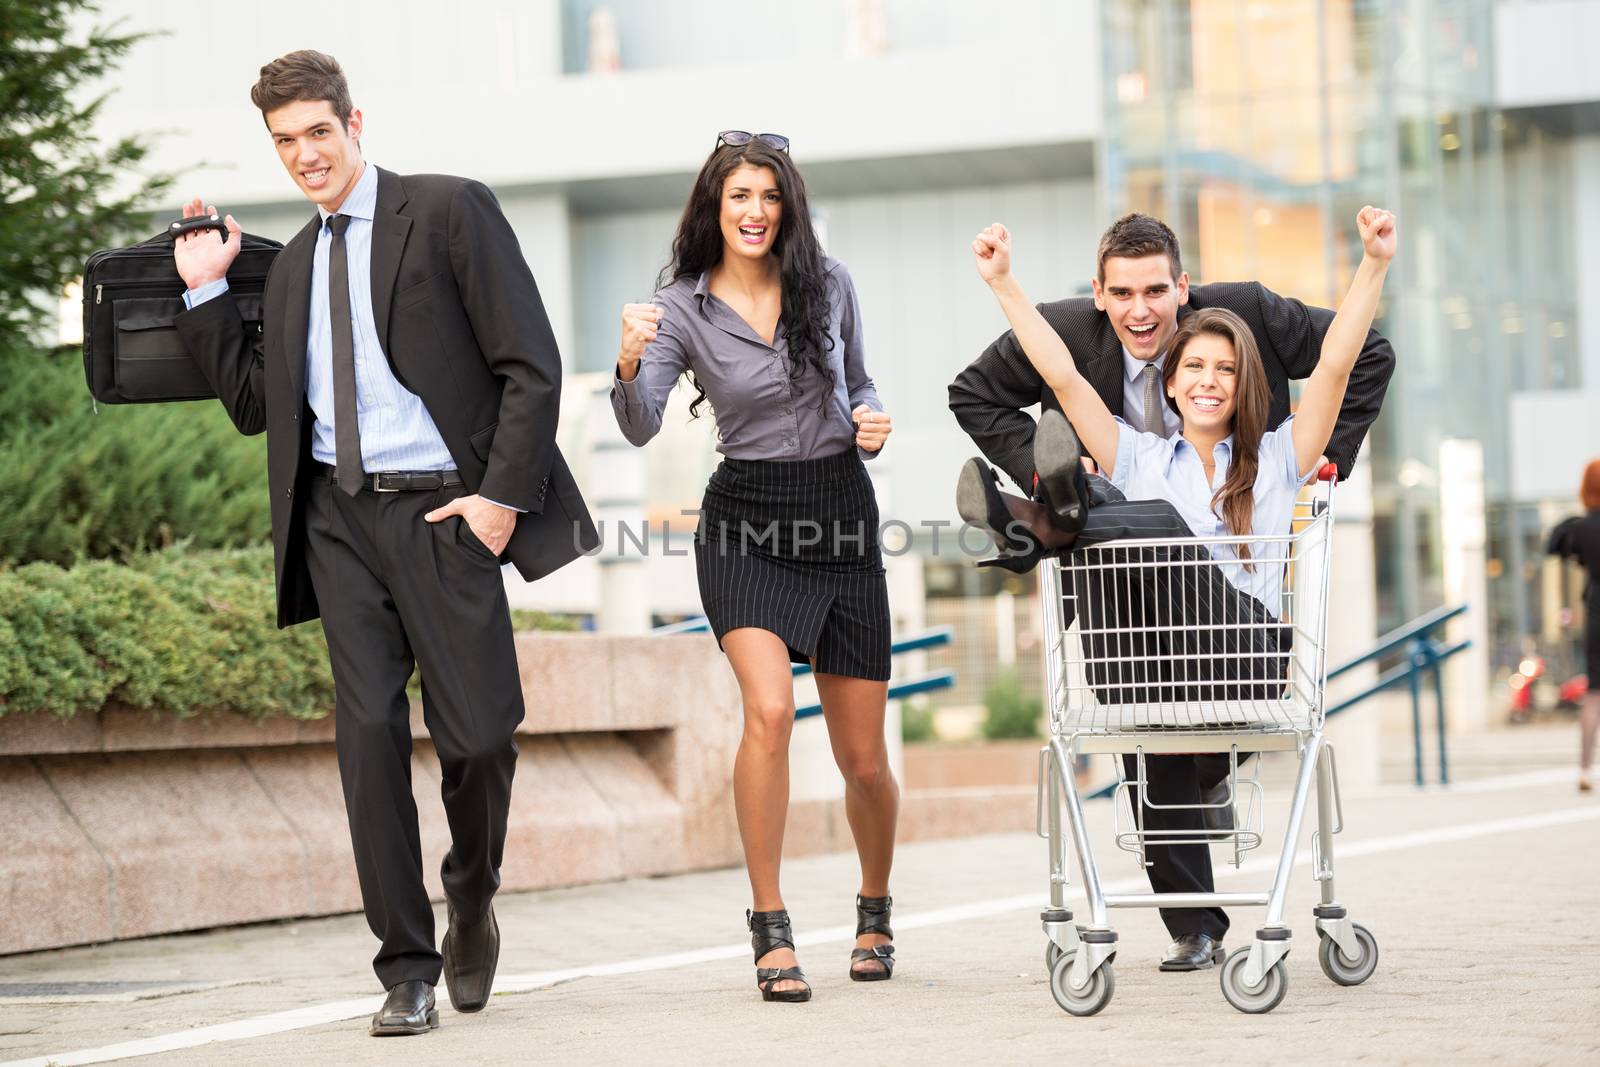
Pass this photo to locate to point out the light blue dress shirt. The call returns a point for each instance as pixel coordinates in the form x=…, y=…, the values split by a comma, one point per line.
x=397, y=433
x=1133, y=391
x=1154, y=468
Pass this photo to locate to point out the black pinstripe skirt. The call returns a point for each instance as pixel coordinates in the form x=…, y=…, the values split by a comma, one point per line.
x=792, y=547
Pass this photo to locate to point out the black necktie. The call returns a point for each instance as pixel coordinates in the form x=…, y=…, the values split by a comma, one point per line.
x=346, y=438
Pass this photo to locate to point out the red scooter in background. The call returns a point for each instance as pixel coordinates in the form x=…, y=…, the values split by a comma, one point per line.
x=1527, y=677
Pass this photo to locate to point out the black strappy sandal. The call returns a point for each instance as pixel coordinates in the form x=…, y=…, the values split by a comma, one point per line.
x=872, y=917
x=770, y=930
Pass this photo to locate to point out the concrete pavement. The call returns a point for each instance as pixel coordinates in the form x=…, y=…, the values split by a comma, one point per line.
x=1482, y=898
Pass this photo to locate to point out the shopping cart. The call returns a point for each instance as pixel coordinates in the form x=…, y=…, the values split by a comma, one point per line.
x=1150, y=651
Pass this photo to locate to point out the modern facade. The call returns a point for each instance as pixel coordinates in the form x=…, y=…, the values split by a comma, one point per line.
x=1256, y=128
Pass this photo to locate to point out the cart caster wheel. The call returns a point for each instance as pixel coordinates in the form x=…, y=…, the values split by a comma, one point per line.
x=1053, y=952
x=1257, y=999
x=1341, y=968
x=1088, y=1000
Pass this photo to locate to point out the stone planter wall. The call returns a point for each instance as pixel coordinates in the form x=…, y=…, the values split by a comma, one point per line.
x=123, y=825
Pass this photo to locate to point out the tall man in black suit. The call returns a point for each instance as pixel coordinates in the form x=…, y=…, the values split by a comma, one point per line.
x=1119, y=340
x=409, y=385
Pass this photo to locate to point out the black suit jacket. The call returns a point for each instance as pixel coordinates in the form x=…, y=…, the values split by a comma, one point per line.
x=462, y=325
x=988, y=397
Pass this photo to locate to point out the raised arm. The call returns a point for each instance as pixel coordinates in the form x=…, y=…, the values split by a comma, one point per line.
x=1096, y=427
x=211, y=328
x=650, y=360
x=1324, y=392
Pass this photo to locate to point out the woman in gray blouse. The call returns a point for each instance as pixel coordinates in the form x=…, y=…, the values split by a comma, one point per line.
x=787, y=555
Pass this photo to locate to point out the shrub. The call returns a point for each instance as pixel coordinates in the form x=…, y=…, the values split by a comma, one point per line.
x=916, y=723
x=177, y=633
x=75, y=485
x=1008, y=712
x=528, y=619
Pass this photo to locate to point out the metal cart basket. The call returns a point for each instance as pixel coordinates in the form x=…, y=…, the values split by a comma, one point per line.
x=1151, y=650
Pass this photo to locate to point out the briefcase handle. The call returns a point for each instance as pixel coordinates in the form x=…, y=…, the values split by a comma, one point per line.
x=199, y=222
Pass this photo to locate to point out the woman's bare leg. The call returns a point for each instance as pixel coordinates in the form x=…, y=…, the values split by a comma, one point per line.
x=854, y=709
x=1588, y=722
x=760, y=661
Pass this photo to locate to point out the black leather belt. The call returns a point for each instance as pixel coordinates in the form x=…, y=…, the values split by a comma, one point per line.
x=399, y=481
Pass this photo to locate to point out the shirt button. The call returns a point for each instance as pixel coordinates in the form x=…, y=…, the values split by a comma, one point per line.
x=289, y=492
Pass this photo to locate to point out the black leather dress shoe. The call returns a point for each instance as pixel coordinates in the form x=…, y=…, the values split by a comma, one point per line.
x=1058, y=459
x=408, y=1010
x=471, y=953
x=1193, y=952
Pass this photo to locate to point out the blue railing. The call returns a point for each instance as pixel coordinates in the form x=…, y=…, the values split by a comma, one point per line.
x=941, y=635
x=1424, y=655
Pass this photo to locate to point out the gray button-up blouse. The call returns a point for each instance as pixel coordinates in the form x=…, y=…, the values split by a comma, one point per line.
x=761, y=412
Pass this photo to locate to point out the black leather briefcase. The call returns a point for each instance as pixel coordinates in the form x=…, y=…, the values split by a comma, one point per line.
x=132, y=354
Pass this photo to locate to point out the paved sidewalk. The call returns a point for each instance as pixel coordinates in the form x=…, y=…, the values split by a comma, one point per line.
x=1482, y=898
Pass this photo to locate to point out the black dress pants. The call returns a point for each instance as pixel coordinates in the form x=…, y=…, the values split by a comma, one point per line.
x=1162, y=592
x=396, y=591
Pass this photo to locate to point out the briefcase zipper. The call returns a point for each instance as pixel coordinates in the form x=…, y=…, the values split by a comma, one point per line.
x=99, y=289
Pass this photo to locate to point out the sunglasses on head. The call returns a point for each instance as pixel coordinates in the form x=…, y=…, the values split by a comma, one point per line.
x=740, y=138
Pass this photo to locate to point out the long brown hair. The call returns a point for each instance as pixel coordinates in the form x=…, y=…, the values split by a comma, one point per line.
x=1235, y=502
x=697, y=247
x=1590, y=492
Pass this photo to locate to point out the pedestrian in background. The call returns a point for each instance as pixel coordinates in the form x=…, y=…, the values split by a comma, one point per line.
x=1578, y=539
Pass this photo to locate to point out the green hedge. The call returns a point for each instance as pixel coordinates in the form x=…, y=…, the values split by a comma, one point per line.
x=78, y=485
x=1008, y=712
x=177, y=632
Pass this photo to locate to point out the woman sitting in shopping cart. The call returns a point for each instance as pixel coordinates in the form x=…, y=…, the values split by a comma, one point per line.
x=1226, y=472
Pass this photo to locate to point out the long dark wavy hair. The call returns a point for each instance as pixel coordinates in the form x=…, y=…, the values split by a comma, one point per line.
x=698, y=247
x=1235, y=502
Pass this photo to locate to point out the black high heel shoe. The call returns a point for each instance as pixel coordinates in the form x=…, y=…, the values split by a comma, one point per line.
x=770, y=930
x=1058, y=459
x=979, y=503
x=872, y=917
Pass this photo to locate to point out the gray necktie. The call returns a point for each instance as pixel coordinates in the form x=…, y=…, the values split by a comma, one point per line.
x=346, y=438
x=1154, y=422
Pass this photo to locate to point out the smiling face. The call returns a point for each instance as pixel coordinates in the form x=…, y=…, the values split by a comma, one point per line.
x=320, y=154
x=752, y=210
x=1204, y=384
x=1141, y=297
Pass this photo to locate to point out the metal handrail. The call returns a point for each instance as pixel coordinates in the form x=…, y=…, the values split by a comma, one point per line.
x=1392, y=640
x=1424, y=655
x=939, y=635
x=926, y=684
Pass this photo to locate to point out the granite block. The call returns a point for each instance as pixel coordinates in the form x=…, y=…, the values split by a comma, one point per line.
x=303, y=783
x=647, y=820
x=561, y=831
x=54, y=887
x=191, y=838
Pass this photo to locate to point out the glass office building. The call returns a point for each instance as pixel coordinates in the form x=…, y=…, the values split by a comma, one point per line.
x=1259, y=130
